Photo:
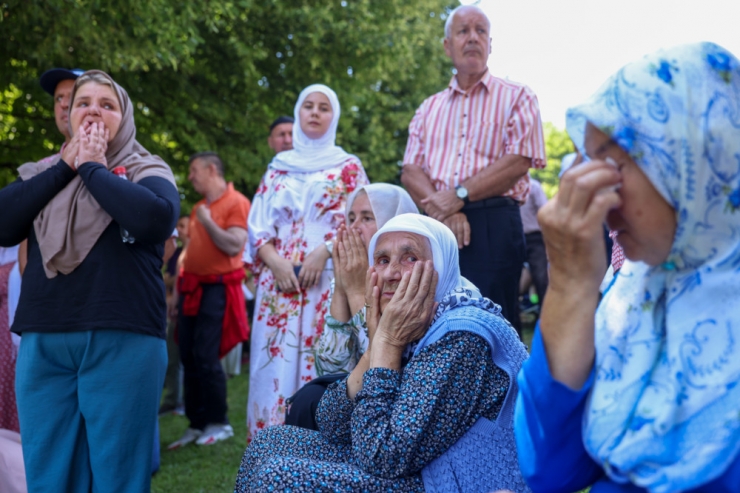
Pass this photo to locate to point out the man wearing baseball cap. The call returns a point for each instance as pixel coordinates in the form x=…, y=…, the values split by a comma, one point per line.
x=59, y=83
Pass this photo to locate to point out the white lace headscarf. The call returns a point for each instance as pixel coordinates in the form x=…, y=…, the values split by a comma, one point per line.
x=664, y=412
x=308, y=154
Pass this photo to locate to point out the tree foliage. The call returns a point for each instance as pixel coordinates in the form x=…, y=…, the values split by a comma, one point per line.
x=212, y=74
x=557, y=145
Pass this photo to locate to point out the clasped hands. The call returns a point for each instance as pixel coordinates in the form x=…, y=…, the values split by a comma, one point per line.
x=445, y=207
x=88, y=144
x=407, y=316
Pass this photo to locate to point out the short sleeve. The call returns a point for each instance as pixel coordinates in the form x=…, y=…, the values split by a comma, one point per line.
x=238, y=214
x=415, y=145
x=524, y=134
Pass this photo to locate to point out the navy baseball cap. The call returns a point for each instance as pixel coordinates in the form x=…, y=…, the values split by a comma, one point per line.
x=54, y=76
x=280, y=120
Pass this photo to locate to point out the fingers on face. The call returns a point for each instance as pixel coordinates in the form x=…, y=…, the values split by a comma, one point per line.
x=371, y=279
x=581, y=184
x=426, y=282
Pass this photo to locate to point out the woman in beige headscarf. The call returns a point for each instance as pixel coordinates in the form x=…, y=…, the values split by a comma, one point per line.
x=92, y=308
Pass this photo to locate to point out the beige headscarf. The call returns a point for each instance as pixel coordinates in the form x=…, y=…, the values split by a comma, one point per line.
x=71, y=223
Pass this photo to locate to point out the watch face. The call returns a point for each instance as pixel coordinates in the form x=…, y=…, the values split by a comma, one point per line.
x=461, y=192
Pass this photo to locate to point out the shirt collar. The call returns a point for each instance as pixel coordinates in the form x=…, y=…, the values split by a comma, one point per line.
x=486, y=81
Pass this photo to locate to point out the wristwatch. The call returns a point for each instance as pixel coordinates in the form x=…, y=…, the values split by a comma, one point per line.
x=329, y=246
x=462, y=194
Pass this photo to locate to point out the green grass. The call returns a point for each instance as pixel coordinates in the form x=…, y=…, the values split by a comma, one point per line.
x=204, y=469
x=212, y=469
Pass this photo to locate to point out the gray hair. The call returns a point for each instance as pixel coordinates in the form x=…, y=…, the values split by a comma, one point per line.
x=448, y=22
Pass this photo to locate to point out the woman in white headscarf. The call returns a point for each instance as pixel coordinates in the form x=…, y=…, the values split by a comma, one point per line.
x=640, y=391
x=294, y=216
x=429, y=407
x=344, y=336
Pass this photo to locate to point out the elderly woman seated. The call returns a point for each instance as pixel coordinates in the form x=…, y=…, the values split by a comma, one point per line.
x=429, y=407
x=641, y=393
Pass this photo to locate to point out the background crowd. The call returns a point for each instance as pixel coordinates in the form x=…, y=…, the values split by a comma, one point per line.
x=358, y=298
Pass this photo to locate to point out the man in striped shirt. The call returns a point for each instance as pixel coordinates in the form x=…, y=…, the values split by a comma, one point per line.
x=467, y=159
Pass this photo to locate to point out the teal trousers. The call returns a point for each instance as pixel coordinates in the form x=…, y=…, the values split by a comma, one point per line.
x=87, y=403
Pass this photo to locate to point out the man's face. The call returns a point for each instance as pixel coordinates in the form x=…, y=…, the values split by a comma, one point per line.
x=469, y=43
x=182, y=227
x=200, y=175
x=62, y=95
x=281, y=138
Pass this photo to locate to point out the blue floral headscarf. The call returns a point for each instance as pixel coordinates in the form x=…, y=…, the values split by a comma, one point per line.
x=664, y=412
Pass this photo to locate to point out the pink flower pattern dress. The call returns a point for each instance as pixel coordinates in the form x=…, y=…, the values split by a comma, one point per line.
x=299, y=212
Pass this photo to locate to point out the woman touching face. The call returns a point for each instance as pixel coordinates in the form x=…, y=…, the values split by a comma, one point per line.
x=361, y=217
x=96, y=103
x=315, y=115
x=645, y=223
x=395, y=254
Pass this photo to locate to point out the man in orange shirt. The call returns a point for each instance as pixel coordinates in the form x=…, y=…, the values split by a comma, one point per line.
x=212, y=314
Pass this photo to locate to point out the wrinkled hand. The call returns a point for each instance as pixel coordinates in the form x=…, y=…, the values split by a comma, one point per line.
x=441, y=205
x=460, y=226
x=336, y=260
x=572, y=223
x=285, y=279
x=71, y=150
x=93, y=144
x=313, y=267
x=372, y=302
x=353, y=261
x=407, y=316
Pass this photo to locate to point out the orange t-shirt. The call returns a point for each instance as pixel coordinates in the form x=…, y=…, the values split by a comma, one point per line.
x=202, y=256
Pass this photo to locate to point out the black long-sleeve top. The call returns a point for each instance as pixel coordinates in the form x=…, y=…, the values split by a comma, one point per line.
x=118, y=285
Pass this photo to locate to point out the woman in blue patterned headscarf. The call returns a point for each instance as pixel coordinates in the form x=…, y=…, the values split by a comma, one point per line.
x=647, y=389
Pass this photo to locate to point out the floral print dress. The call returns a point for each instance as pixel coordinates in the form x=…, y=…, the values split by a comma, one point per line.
x=298, y=212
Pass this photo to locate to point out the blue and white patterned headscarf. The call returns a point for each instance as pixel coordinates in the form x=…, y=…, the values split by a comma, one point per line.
x=664, y=412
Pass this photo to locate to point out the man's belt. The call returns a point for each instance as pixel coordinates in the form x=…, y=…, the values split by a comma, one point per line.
x=491, y=203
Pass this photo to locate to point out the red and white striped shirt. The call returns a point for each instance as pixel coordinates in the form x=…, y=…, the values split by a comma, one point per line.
x=456, y=133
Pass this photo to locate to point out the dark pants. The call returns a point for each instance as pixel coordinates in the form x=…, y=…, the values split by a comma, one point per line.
x=494, y=259
x=537, y=259
x=302, y=405
x=204, y=380
x=172, y=394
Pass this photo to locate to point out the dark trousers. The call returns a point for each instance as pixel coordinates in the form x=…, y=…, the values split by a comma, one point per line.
x=494, y=259
x=172, y=394
x=204, y=379
x=301, y=409
x=537, y=260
